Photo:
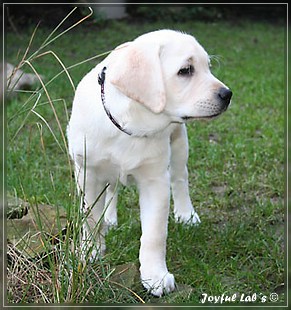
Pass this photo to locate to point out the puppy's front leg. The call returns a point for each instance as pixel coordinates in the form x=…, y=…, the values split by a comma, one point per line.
x=154, y=204
x=183, y=209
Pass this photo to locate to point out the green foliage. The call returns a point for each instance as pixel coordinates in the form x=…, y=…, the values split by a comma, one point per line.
x=175, y=13
x=236, y=166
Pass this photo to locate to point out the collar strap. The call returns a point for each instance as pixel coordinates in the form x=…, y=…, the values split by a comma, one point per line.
x=101, y=81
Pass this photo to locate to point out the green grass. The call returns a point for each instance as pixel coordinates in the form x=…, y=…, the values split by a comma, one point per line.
x=236, y=167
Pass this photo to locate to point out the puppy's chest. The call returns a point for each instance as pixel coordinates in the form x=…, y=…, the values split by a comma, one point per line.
x=133, y=154
x=121, y=158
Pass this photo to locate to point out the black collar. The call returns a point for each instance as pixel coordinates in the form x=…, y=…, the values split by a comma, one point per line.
x=101, y=81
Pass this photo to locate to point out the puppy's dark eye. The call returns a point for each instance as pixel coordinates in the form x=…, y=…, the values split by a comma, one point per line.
x=189, y=70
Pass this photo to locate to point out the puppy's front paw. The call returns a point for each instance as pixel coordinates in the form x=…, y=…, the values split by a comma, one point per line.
x=159, y=284
x=188, y=218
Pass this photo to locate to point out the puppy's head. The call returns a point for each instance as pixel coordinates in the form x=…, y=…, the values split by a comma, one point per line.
x=169, y=72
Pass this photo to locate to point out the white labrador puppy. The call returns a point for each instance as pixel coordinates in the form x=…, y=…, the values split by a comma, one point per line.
x=128, y=120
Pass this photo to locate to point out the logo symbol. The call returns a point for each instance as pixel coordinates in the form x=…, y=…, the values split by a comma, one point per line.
x=274, y=297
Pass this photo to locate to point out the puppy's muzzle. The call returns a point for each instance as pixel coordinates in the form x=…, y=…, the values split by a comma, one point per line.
x=224, y=95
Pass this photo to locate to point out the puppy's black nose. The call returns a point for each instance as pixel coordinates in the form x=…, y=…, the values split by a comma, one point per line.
x=225, y=95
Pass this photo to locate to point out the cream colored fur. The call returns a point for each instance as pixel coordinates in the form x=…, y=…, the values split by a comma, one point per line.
x=150, y=96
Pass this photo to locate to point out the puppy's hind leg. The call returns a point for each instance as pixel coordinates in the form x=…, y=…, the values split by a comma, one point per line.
x=110, y=215
x=93, y=230
x=183, y=209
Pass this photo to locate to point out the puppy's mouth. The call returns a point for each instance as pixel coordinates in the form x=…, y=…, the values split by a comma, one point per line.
x=190, y=118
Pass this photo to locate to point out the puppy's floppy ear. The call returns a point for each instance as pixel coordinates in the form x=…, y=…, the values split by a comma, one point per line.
x=136, y=72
